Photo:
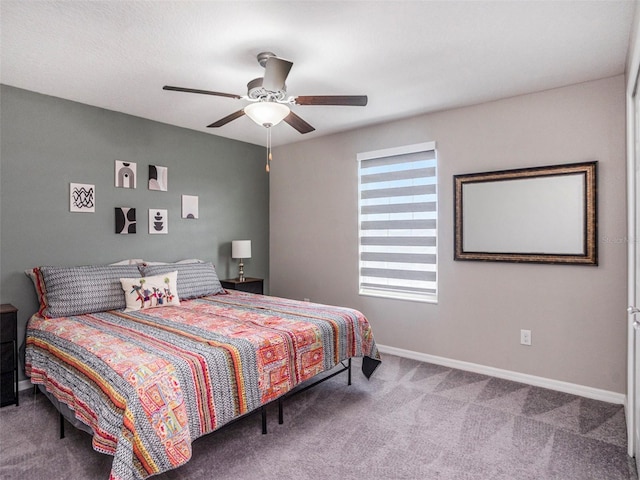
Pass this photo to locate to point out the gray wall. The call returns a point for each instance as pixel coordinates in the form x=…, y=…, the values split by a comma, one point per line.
x=47, y=143
x=576, y=313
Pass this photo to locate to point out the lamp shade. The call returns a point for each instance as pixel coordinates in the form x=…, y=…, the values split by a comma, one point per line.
x=241, y=249
x=266, y=114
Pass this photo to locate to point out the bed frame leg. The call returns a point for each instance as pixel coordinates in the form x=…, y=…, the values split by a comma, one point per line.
x=61, y=426
x=281, y=399
x=263, y=413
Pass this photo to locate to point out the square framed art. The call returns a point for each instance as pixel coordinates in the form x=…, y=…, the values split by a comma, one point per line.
x=82, y=197
x=158, y=221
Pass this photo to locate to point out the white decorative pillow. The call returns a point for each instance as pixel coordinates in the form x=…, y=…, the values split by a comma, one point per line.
x=150, y=292
x=187, y=260
x=128, y=261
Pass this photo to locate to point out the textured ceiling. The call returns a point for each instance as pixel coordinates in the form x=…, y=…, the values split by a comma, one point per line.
x=409, y=57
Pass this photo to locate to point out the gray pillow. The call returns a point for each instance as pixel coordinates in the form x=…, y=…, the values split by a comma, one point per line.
x=85, y=289
x=194, y=279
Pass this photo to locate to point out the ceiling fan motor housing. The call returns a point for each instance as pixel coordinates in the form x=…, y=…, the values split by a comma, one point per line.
x=255, y=91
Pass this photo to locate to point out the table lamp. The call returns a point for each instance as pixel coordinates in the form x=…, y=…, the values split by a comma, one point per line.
x=241, y=249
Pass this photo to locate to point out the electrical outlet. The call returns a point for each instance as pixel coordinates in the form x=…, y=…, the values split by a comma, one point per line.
x=525, y=337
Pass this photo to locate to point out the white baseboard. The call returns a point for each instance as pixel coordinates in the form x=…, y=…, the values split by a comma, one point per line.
x=575, y=389
x=24, y=385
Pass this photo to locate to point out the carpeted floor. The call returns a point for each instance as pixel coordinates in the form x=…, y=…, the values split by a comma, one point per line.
x=412, y=420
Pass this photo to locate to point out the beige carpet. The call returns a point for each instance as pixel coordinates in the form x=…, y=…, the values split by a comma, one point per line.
x=412, y=420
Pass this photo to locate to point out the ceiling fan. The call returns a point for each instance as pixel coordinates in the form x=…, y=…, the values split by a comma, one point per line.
x=269, y=100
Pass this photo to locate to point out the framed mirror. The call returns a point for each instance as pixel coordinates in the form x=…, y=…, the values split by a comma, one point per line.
x=537, y=215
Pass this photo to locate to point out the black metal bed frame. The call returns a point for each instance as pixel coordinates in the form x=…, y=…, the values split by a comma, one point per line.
x=345, y=368
x=263, y=408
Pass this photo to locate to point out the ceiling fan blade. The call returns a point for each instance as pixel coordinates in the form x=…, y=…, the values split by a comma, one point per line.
x=227, y=119
x=276, y=72
x=298, y=123
x=205, y=92
x=346, y=100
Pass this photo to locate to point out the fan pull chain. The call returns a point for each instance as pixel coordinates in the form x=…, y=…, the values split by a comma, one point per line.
x=268, y=149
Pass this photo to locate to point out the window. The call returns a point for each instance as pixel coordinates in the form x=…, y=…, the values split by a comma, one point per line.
x=398, y=210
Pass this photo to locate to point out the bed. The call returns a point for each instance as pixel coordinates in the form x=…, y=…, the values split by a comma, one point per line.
x=178, y=357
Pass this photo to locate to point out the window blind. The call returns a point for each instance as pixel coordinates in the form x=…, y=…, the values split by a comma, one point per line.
x=398, y=222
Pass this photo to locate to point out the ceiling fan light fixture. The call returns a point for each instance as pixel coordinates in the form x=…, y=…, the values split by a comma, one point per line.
x=266, y=114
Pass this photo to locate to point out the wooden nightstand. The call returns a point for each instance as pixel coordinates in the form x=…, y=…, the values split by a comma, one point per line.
x=250, y=285
x=8, y=355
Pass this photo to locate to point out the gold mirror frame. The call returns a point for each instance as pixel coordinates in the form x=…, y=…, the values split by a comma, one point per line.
x=584, y=254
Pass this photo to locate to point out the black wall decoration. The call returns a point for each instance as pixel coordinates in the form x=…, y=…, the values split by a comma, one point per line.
x=125, y=220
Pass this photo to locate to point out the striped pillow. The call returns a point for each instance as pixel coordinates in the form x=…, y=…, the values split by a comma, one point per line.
x=194, y=279
x=86, y=289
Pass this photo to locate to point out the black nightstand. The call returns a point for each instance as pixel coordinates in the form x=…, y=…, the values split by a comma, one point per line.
x=8, y=355
x=250, y=285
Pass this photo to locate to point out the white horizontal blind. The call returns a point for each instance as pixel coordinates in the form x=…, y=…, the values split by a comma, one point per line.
x=398, y=212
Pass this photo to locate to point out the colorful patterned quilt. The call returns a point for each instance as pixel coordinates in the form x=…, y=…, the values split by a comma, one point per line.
x=150, y=382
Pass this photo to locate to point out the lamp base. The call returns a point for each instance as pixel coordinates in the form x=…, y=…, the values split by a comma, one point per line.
x=241, y=271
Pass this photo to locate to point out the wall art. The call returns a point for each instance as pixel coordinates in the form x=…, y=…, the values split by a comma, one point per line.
x=158, y=177
x=125, y=174
x=190, y=206
x=125, y=220
x=82, y=197
x=158, y=221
